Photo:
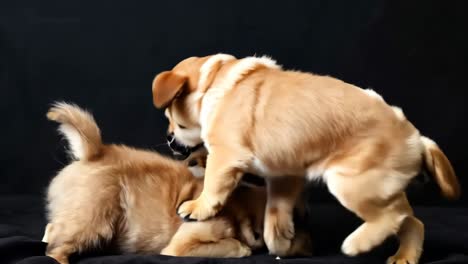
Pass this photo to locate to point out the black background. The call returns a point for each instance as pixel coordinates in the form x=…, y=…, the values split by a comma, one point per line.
x=103, y=56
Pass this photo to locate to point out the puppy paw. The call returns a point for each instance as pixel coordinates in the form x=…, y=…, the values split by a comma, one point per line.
x=278, y=233
x=355, y=244
x=244, y=251
x=196, y=210
x=59, y=257
x=252, y=238
x=401, y=260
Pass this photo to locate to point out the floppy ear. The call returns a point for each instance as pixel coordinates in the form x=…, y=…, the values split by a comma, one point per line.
x=166, y=86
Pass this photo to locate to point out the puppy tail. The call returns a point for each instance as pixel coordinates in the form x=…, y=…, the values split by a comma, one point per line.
x=441, y=169
x=79, y=128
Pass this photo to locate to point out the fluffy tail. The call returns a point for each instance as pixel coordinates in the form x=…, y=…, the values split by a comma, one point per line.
x=79, y=128
x=441, y=169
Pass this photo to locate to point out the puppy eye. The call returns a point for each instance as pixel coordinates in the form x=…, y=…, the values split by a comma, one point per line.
x=181, y=126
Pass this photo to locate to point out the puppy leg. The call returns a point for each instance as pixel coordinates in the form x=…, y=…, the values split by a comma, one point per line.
x=59, y=246
x=248, y=235
x=213, y=238
x=279, y=227
x=411, y=236
x=223, y=248
x=66, y=239
x=376, y=198
x=61, y=252
x=221, y=178
x=380, y=222
x=77, y=232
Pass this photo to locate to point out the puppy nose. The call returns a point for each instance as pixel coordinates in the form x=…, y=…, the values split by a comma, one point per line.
x=170, y=137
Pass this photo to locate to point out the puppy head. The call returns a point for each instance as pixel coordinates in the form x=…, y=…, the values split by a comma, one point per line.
x=180, y=91
x=196, y=163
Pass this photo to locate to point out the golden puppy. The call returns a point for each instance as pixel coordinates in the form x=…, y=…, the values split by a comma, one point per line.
x=128, y=198
x=252, y=116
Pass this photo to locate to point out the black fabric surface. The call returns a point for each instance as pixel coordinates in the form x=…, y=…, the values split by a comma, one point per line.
x=446, y=238
x=103, y=55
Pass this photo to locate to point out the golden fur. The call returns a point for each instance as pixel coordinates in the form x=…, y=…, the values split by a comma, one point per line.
x=114, y=194
x=253, y=116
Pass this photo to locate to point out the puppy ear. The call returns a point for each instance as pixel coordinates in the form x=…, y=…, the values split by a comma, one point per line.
x=166, y=86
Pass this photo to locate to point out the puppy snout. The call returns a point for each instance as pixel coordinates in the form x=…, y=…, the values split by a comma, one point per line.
x=170, y=138
x=177, y=147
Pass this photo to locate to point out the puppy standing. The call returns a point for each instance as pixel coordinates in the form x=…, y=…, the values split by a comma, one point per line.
x=255, y=117
x=128, y=198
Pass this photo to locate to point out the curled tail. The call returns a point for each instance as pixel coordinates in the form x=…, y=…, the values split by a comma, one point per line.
x=79, y=128
x=441, y=169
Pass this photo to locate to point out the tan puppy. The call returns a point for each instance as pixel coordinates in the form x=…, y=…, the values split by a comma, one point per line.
x=128, y=198
x=255, y=117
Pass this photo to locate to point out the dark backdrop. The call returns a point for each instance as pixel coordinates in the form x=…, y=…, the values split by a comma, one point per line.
x=103, y=56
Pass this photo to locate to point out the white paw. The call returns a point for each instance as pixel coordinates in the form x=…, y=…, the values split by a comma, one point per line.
x=355, y=244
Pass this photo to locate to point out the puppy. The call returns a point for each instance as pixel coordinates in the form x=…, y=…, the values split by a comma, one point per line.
x=125, y=197
x=252, y=116
x=128, y=197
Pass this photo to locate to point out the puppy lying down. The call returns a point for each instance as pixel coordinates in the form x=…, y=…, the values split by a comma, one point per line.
x=124, y=197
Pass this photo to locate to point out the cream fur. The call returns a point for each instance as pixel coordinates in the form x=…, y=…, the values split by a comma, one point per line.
x=76, y=144
x=218, y=90
x=207, y=67
x=256, y=117
x=398, y=112
x=373, y=93
x=197, y=171
x=130, y=197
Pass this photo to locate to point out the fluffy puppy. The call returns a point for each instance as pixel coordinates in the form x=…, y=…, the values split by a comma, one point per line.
x=125, y=197
x=253, y=116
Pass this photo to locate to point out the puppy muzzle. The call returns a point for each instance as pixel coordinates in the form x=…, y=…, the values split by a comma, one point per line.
x=180, y=150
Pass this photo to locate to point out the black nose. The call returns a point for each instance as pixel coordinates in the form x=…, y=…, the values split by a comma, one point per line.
x=181, y=149
x=170, y=137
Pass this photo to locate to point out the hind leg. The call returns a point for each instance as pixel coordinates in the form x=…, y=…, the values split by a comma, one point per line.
x=372, y=232
x=212, y=238
x=59, y=246
x=75, y=235
x=376, y=199
x=78, y=228
x=55, y=249
x=61, y=252
x=223, y=248
x=411, y=237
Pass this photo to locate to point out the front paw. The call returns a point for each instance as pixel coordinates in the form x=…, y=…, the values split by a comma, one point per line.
x=196, y=210
x=401, y=260
x=278, y=233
